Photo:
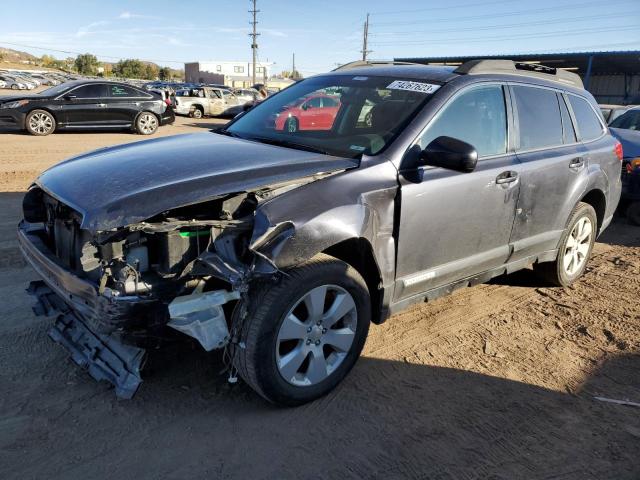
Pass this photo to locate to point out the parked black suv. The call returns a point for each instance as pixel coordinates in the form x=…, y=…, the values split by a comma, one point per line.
x=86, y=105
x=282, y=246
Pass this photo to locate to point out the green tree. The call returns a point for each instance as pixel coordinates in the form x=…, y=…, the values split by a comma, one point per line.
x=164, y=73
x=129, y=68
x=150, y=72
x=86, y=64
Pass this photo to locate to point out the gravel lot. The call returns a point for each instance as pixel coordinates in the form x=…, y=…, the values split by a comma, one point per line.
x=496, y=381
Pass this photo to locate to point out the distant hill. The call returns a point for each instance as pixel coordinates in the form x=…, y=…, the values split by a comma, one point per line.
x=15, y=56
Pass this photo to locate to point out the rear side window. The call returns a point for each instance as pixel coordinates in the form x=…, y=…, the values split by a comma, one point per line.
x=123, y=91
x=568, y=132
x=477, y=117
x=589, y=125
x=540, y=124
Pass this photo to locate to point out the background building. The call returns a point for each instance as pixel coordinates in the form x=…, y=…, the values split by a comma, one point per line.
x=233, y=74
x=611, y=77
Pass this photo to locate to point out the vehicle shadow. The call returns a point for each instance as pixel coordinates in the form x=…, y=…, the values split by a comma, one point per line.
x=389, y=419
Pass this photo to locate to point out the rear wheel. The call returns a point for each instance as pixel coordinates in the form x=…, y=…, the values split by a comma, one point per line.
x=40, y=123
x=303, y=335
x=291, y=125
x=575, y=248
x=196, y=113
x=147, y=123
x=14, y=87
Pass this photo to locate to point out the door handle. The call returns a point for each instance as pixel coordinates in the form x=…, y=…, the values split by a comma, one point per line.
x=102, y=105
x=507, y=177
x=576, y=163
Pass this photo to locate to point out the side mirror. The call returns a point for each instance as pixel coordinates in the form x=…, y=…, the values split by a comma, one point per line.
x=306, y=106
x=451, y=153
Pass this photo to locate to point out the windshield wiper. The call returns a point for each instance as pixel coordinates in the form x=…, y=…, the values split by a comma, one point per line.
x=224, y=131
x=289, y=144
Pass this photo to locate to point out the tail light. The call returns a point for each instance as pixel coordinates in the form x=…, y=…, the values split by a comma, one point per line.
x=633, y=164
x=618, y=151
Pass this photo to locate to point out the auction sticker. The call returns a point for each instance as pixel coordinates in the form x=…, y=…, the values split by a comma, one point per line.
x=413, y=86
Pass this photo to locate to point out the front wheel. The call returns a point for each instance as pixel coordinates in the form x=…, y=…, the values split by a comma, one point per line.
x=146, y=123
x=40, y=123
x=575, y=248
x=303, y=335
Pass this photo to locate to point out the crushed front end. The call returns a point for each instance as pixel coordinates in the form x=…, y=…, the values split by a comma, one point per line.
x=117, y=292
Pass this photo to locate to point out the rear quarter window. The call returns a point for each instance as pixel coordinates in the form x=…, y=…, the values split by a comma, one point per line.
x=589, y=125
x=540, y=123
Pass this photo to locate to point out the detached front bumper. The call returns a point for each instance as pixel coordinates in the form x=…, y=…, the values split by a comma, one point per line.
x=87, y=323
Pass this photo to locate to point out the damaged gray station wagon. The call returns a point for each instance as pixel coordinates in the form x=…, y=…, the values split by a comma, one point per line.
x=280, y=240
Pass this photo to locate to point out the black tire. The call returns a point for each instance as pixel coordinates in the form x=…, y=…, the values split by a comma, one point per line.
x=14, y=87
x=269, y=303
x=40, y=123
x=196, y=113
x=147, y=123
x=291, y=125
x=555, y=272
x=633, y=213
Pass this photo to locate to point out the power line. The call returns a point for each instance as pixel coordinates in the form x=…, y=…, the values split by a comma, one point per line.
x=492, y=27
x=70, y=52
x=510, y=37
x=447, y=7
x=506, y=14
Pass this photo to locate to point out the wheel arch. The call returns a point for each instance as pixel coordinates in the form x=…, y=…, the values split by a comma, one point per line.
x=46, y=109
x=598, y=200
x=358, y=253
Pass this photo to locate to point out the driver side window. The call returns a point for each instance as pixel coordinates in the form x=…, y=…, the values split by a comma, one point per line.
x=477, y=117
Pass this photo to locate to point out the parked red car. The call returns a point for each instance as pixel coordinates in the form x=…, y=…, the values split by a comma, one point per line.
x=316, y=112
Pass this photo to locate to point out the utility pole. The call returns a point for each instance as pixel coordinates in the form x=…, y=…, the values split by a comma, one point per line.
x=365, y=40
x=254, y=37
x=293, y=68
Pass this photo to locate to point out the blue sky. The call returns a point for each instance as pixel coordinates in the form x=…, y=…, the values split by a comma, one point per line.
x=321, y=33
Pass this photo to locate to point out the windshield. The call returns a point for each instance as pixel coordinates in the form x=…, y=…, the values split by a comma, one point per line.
x=629, y=121
x=339, y=115
x=57, y=90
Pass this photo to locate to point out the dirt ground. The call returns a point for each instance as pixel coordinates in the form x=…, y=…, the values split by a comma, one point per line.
x=493, y=382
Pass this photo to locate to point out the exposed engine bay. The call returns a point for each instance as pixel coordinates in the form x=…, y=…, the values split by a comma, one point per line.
x=184, y=268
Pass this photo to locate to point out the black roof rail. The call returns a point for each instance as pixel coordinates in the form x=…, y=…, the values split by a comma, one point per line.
x=370, y=63
x=520, y=68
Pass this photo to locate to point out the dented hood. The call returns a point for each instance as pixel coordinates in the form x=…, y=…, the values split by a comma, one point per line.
x=117, y=186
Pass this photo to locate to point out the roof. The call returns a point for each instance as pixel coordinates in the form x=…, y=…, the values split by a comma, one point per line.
x=602, y=63
x=409, y=71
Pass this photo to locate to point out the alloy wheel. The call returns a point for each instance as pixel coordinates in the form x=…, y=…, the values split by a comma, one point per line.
x=147, y=123
x=41, y=123
x=577, y=246
x=316, y=335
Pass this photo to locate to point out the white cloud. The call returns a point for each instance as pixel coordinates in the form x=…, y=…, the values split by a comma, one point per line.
x=126, y=15
x=86, y=29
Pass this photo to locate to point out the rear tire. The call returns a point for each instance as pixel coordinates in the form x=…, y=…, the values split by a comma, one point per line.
x=40, y=123
x=196, y=113
x=291, y=125
x=633, y=213
x=147, y=123
x=575, y=248
x=14, y=87
x=302, y=335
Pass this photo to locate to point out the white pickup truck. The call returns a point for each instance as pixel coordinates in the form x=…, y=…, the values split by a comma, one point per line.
x=207, y=101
